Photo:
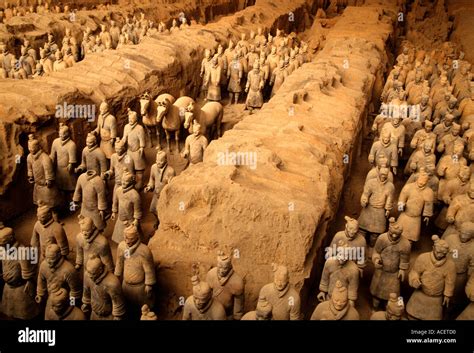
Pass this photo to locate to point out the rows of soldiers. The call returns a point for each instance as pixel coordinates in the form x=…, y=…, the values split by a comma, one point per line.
x=40, y=8
x=258, y=66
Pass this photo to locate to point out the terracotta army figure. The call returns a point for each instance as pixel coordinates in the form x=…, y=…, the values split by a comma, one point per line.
x=388, y=148
x=394, y=311
x=340, y=267
x=134, y=136
x=444, y=127
x=19, y=276
x=234, y=75
x=254, y=87
x=120, y=161
x=212, y=80
x=106, y=129
x=27, y=62
x=47, y=231
x=93, y=158
x=227, y=286
x=17, y=71
x=421, y=158
x=446, y=143
x=449, y=165
x=422, y=135
x=201, y=305
x=461, y=209
x=195, y=145
x=222, y=63
x=41, y=174
x=61, y=308
x=337, y=307
x=59, y=64
x=284, y=299
x=160, y=174
x=114, y=33
x=90, y=189
x=102, y=292
x=126, y=206
x=452, y=189
x=461, y=244
x=391, y=258
x=381, y=162
x=205, y=66
x=468, y=313
x=353, y=239
x=46, y=61
x=415, y=200
x=64, y=156
x=136, y=270
x=397, y=132
x=377, y=202
x=263, y=311
x=279, y=75
x=433, y=276
x=91, y=242
x=56, y=272
x=104, y=34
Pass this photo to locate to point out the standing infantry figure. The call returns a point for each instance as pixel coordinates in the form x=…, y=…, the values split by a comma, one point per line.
x=384, y=147
x=254, y=87
x=106, y=129
x=90, y=189
x=337, y=308
x=19, y=276
x=160, y=175
x=64, y=156
x=195, y=145
x=201, y=305
x=56, y=272
x=391, y=258
x=284, y=299
x=134, y=136
x=47, y=231
x=433, y=276
x=91, y=242
x=136, y=270
x=119, y=162
x=212, y=80
x=227, y=286
x=461, y=209
x=41, y=174
x=93, y=158
x=234, y=75
x=377, y=202
x=128, y=205
x=102, y=292
x=415, y=200
x=354, y=239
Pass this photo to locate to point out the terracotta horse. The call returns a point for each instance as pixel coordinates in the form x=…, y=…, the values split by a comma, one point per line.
x=171, y=114
x=209, y=117
x=148, y=112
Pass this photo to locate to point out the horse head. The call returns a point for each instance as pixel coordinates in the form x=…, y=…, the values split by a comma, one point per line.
x=188, y=116
x=144, y=103
x=162, y=106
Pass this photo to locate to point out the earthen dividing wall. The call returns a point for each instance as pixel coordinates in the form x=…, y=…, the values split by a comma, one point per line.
x=277, y=212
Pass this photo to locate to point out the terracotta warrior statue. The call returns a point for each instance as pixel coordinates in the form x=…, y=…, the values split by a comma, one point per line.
x=284, y=299
x=461, y=209
x=205, y=66
x=64, y=156
x=161, y=174
x=136, y=270
x=353, y=239
x=93, y=158
x=394, y=311
x=56, y=272
x=120, y=161
x=415, y=200
x=339, y=267
x=468, y=313
x=19, y=277
x=377, y=202
x=127, y=204
x=391, y=259
x=41, y=174
x=263, y=311
x=212, y=80
x=106, y=129
x=337, y=307
x=61, y=308
x=433, y=276
x=227, y=286
x=90, y=189
x=384, y=146
x=279, y=74
x=254, y=87
x=134, y=136
x=102, y=292
x=47, y=231
x=234, y=76
x=195, y=145
x=91, y=242
x=201, y=305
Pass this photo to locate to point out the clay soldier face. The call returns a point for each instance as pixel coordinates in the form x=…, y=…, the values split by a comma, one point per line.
x=281, y=278
x=53, y=255
x=424, y=100
x=91, y=141
x=422, y=180
x=440, y=250
x=130, y=237
x=464, y=174
x=339, y=299
x=132, y=117
x=201, y=299
x=63, y=133
x=127, y=179
x=466, y=232
x=196, y=129
x=448, y=121
x=33, y=146
x=223, y=267
x=396, y=120
x=6, y=236
x=456, y=129
x=458, y=148
x=352, y=228
x=44, y=214
x=386, y=138
x=427, y=147
x=161, y=159
x=120, y=148
x=87, y=227
x=428, y=126
x=94, y=269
